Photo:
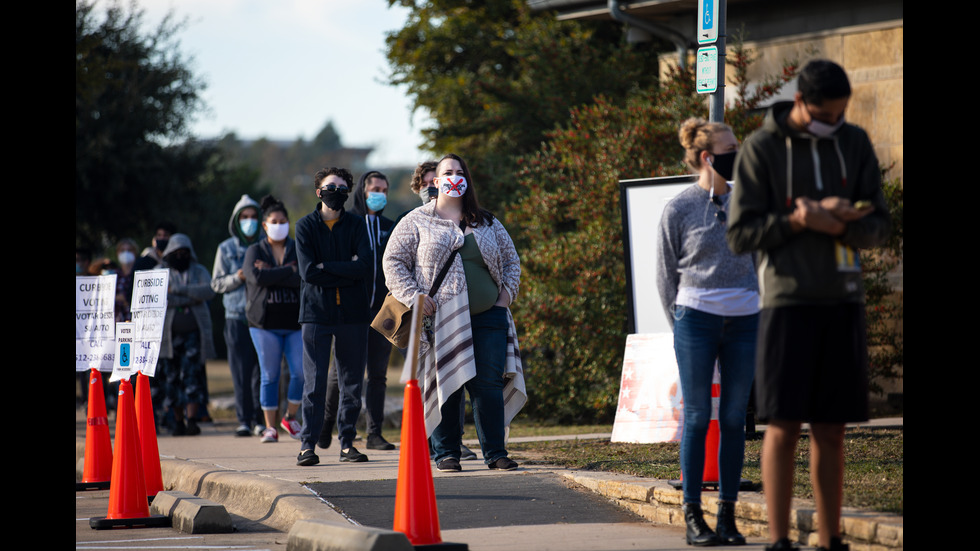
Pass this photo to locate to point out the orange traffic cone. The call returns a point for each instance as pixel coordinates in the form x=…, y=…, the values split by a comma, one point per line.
x=127, y=495
x=416, y=514
x=98, y=446
x=148, y=438
x=711, y=440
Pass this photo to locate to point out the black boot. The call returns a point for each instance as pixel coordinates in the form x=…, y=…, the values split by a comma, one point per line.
x=698, y=532
x=782, y=545
x=726, y=529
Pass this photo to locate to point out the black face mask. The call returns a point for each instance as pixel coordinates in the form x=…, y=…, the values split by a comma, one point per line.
x=725, y=164
x=162, y=244
x=180, y=260
x=333, y=199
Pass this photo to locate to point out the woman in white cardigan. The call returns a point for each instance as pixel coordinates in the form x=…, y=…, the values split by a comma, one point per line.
x=470, y=340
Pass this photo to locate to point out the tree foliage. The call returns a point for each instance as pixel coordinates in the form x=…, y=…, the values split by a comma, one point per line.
x=134, y=98
x=572, y=308
x=495, y=78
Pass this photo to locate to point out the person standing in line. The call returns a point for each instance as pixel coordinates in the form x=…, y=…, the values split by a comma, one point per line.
x=187, y=339
x=152, y=255
x=228, y=278
x=272, y=308
x=370, y=199
x=711, y=298
x=470, y=339
x=807, y=197
x=334, y=264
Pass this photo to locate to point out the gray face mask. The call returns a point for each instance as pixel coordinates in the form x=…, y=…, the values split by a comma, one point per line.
x=822, y=129
x=427, y=194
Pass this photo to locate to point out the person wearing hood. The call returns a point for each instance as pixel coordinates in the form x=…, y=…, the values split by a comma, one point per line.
x=187, y=340
x=807, y=197
x=335, y=267
x=228, y=278
x=370, y=199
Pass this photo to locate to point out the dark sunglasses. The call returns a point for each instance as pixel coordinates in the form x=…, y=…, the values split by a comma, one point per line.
x=333, y=187
x=720, y=213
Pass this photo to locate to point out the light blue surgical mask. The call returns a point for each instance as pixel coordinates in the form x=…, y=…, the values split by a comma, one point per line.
x=248, y=226
x=376, y=200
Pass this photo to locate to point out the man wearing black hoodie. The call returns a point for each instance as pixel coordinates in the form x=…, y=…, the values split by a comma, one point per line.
x=370, y=199
x=334, y=264
x=807, y=196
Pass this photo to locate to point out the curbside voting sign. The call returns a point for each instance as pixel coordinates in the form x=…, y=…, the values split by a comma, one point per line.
x=149, y=308
x=95, y=322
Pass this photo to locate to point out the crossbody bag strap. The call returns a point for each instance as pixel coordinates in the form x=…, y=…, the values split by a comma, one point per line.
x=442, y=274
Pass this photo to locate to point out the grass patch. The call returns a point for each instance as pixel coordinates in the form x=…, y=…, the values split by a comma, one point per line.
x=873, y=477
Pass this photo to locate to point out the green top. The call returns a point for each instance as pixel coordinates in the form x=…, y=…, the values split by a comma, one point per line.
x=480, y=287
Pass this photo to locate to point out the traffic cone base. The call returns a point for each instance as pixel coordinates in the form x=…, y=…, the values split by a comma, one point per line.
x=97, y=469
x=127, y=495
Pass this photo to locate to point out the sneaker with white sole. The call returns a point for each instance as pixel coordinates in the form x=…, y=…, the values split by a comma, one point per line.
x=466, y=454
x=291, y=426
x=270, y=435
x=258, y=430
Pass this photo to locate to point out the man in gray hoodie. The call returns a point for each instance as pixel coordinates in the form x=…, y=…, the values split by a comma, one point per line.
x=228, y=279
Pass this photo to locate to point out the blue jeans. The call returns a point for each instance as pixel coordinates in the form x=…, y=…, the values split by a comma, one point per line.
x=700, y=338
x=486, y=392
x=270, y=345
x=350, y=347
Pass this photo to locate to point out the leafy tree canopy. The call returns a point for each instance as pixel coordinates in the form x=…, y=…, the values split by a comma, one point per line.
x=495, y=78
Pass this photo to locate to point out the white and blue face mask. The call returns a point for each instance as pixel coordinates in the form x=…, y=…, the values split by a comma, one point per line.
x=376, y=200
x=248, y=226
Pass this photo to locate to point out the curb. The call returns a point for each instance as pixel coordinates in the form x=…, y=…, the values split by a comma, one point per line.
x=657, y=501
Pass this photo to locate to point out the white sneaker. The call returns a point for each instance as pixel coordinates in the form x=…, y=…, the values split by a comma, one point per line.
x=270, y=435
x=258, y=430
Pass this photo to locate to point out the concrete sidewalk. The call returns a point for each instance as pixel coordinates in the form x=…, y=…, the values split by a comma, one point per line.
x=262, y=482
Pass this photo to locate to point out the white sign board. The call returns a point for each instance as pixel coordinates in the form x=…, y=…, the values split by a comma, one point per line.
x=707, y=21
x=95, y=322
x=707, y=70
x=123, y=367
x=650, y=403
x=149, y=309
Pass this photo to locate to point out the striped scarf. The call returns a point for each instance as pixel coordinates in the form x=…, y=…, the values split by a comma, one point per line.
x=448, y=365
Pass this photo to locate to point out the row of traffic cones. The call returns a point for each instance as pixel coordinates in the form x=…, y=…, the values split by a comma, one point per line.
x=132, y=474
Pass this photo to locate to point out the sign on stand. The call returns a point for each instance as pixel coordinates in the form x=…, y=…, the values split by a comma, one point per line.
x=149, y=309
x=95, y=322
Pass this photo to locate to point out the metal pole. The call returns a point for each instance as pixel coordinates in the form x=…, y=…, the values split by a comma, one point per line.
x=716, y=106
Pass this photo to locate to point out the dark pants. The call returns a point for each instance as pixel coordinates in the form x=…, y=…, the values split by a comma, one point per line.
x=244, y=366
x=486, y=391
x=378, y=353
x=350, y=344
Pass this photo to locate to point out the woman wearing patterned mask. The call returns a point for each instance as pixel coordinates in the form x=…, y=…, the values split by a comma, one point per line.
x=468, y=312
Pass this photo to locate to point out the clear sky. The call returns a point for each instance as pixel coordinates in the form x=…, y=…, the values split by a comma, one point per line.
x=282, y=68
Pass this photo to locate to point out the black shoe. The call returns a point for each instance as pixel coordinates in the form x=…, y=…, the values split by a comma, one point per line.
x=192, y=428
x=466, y=454
x=352, y=455
x=726, y=530
x=698, y=532
x=180, y=429
x=503, y=464
x=449, y=464
x=326, y=434
x=377, y=442
x=243, y=430
x=307, y=458
x=782, y=545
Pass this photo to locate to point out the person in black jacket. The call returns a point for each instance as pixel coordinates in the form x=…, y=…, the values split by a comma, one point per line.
x=272, y=310
x=370, y=199
x=334, y=263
